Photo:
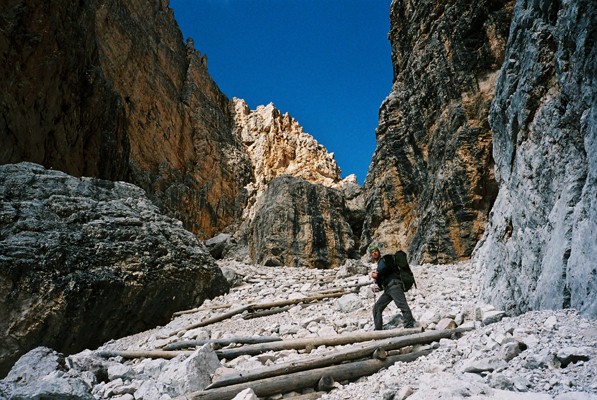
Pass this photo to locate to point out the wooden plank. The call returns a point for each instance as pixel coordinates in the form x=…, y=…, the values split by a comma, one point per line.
x=206, y=308
x=314, y=342
x=142, y=353
x=301, y=380
x=381, y=347
x=221, y=342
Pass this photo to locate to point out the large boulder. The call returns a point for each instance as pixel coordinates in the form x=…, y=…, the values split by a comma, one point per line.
x=540, y=247
x=430, y=185
x=84, y=260
x=300, y=224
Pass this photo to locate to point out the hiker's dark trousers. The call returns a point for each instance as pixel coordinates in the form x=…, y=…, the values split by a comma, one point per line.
x=392, y=291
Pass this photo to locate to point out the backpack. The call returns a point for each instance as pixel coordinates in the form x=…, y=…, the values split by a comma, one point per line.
x=399, y=263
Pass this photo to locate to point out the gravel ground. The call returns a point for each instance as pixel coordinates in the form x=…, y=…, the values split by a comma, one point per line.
x=538, y=355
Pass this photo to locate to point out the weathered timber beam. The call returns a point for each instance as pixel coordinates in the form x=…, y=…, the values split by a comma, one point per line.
x=338, y=288
x=142, y=353
x=221, y=342
x=212, y=320
x=300, y=380
x=264, y=313
x=257, y=306
x=334, y=357
x=314, y=342
x=288, y=302
x=206, y=308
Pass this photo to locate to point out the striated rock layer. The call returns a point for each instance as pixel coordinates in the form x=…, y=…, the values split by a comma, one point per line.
x=83, y=261
x=108, y=89
x=302, y=221
x=297, y=223
x=430, y=185
x=540, y=247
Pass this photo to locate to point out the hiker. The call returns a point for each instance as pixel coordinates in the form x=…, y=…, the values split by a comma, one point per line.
x=386, y=277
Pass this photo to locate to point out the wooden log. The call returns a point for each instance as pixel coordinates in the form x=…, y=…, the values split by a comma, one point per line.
x=177, y=313
x=378, y=349
x=314, y=342
x=306, y=396
x=212, y=320
x=221, y=342
x=338, y=288
x=299, y=380
x=288, y=302
x=142, y=353
x=256, y=306
x=264, y=313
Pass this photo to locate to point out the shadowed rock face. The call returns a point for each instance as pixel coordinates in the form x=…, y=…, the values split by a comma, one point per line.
x=84, y=260
x=300, y=224
x=108, y=89
x=540, y=247
x=430, y=184
x=278, y=146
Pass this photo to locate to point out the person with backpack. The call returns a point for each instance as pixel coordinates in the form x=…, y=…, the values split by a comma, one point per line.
x=387, y=277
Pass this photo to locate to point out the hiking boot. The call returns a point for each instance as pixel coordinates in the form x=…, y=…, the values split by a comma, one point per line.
x=410, y=324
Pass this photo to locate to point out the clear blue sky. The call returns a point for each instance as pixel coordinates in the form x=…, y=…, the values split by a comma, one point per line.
x=325, y=62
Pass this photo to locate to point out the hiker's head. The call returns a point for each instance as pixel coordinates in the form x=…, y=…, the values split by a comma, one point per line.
x=374, y=252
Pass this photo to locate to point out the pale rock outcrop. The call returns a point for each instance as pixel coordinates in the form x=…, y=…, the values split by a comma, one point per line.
x=277, y=145
x=84, y=260
x=42, y=373
x=430, y=185
x=540, y=246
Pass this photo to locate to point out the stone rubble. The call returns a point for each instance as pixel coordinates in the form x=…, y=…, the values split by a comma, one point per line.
x=544, y=355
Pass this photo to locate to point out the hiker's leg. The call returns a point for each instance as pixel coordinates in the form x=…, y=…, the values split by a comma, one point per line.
x=378, y=308
x=400, y=300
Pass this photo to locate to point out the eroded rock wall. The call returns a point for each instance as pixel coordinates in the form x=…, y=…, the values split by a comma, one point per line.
x=298, y=223
x=108, y=89
x=319, y=233
x=84, y=260
x=430, y=184
x=540, y=247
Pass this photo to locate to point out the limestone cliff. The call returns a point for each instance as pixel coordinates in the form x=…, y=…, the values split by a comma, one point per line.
x=540, y=247
x=109, y=89
x=430, y=184
x=314, y=223
x=298, y=223
x=278, y=145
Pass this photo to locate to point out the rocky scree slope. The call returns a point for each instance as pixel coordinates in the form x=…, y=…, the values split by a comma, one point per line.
x=543, y=355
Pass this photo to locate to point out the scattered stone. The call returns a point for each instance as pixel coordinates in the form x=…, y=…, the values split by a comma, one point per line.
x=488, y=352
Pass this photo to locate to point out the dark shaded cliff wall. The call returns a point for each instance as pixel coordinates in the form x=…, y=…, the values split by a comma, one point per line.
x=108, y=89
x=540, y=247
x=430, y=185
x=298, y=223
